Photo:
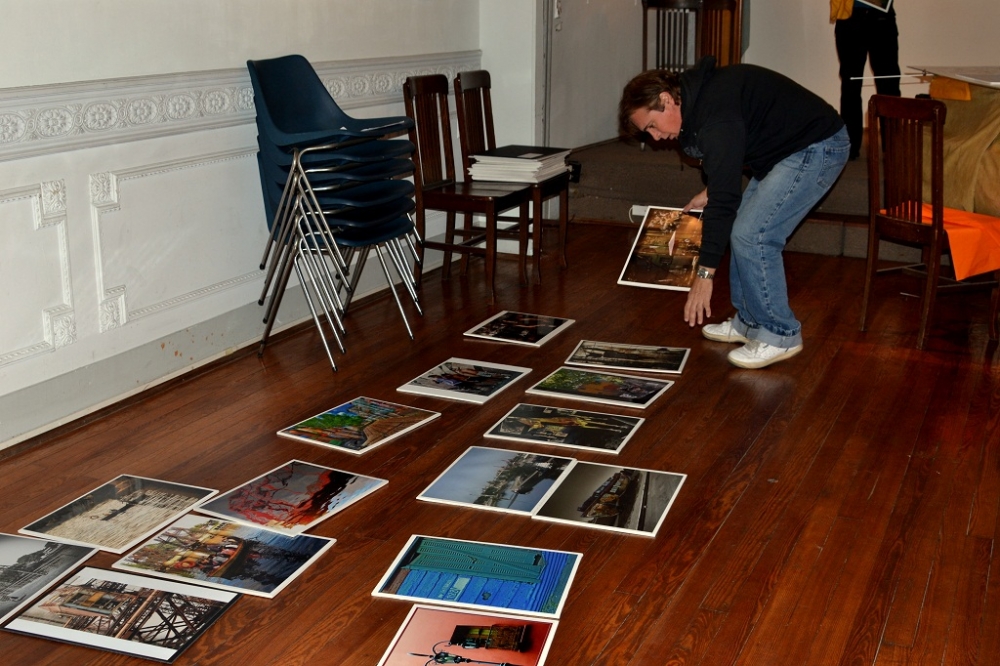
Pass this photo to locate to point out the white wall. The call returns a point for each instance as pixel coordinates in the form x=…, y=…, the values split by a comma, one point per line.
x=511, y=39
x=596, y=49
x=131, y=222
x=58, y=41
x=796, y=39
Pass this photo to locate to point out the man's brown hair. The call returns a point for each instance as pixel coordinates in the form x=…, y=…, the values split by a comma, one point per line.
x=643, y=92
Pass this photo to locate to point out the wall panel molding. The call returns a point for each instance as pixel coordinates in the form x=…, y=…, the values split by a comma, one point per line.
x=48, y=212
x=105, y=190
x=42, y=120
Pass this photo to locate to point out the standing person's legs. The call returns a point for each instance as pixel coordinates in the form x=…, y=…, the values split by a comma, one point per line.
x=883, y=51
x=852, y=51
x=771, y=210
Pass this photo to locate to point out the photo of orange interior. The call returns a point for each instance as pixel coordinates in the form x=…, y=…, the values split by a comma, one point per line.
x=484, y=638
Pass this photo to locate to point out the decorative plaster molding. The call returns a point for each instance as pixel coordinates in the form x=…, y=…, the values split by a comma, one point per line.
x=48, y=205
x=42, y=120
x=104, y=195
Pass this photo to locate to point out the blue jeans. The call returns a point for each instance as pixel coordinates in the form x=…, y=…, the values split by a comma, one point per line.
x=770, y=211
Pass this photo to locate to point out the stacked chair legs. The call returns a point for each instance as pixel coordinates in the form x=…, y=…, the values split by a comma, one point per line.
x=333, y=192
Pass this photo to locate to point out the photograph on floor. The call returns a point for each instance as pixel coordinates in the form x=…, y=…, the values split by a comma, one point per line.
x=465, y=380
x=473, y=574
x=497, y=480
x=28, y=566
x=360, y=425
x=119, y=612
x=607, y=388
x=226, y=555
x=119, y=514
x=292, y=498
x=620, y=356
x=519, y=328
x=622, y=499
x=665, y=252
x=558, y=426
x=448, y=636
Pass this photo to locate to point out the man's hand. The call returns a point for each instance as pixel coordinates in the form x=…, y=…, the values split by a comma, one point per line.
x=699, y=201
x=698, y=307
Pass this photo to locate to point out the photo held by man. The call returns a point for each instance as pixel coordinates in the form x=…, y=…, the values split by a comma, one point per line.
x=792, y=144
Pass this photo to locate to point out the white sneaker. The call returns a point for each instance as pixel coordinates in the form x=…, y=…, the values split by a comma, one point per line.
x=724, y=332
x=756, y=354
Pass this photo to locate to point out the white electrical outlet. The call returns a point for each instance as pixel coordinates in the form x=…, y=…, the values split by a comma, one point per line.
x=639, y=211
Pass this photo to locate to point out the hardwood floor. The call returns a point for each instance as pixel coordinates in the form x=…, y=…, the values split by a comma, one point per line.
x=839, y=508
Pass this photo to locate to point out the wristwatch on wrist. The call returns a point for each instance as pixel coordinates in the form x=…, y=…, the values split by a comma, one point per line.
x=704, y=273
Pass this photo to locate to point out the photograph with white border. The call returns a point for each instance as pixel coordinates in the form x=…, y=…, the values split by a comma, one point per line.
x=292, y=498
x=29, y=566
x=119, y=514
x=226, y=555
x=561, y=426
x=465, y=380
x=611, y=497
x=607, y=388
x=124, y=623
x=665, y=252
x=519, y=328
x=452, y=636
x=497, y=480
x=359, y=425
x=635, y=358
x=453, y=572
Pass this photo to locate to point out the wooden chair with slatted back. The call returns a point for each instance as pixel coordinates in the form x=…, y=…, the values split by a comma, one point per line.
x=476, y=135
x=426, y=100
x=912, y=131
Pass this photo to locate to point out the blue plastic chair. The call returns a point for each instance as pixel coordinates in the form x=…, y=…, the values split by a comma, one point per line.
x=333, y=191
x=352, y=201
x=320, y=156
x=295, y=109
x=353, y=240
x=339, y=236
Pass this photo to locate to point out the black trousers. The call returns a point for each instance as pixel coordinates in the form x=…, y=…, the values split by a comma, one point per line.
x=869, y=35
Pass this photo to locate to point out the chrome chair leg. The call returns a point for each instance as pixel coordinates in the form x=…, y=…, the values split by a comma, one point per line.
x=399, y=260
x=315, y=316
x=392, y=288
x=361, y=256
x=320, y=260
x=332, y=316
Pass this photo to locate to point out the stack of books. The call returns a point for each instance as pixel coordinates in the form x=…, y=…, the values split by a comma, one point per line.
x=519, y=164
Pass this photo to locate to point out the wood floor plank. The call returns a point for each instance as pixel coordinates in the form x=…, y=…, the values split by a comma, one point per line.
x=796, y=460
x=836, y=507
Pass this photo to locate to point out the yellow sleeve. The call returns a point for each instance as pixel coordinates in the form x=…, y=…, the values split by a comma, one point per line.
x=840, y=9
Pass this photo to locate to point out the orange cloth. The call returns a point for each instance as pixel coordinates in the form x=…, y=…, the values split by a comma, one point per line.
x=944, y=88
x=974, y=239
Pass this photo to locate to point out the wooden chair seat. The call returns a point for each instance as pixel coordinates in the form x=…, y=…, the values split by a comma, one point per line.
x=482, y=198
x=910, y=147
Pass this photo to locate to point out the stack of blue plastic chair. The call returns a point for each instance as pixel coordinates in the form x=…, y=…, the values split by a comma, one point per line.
x=333, y=191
